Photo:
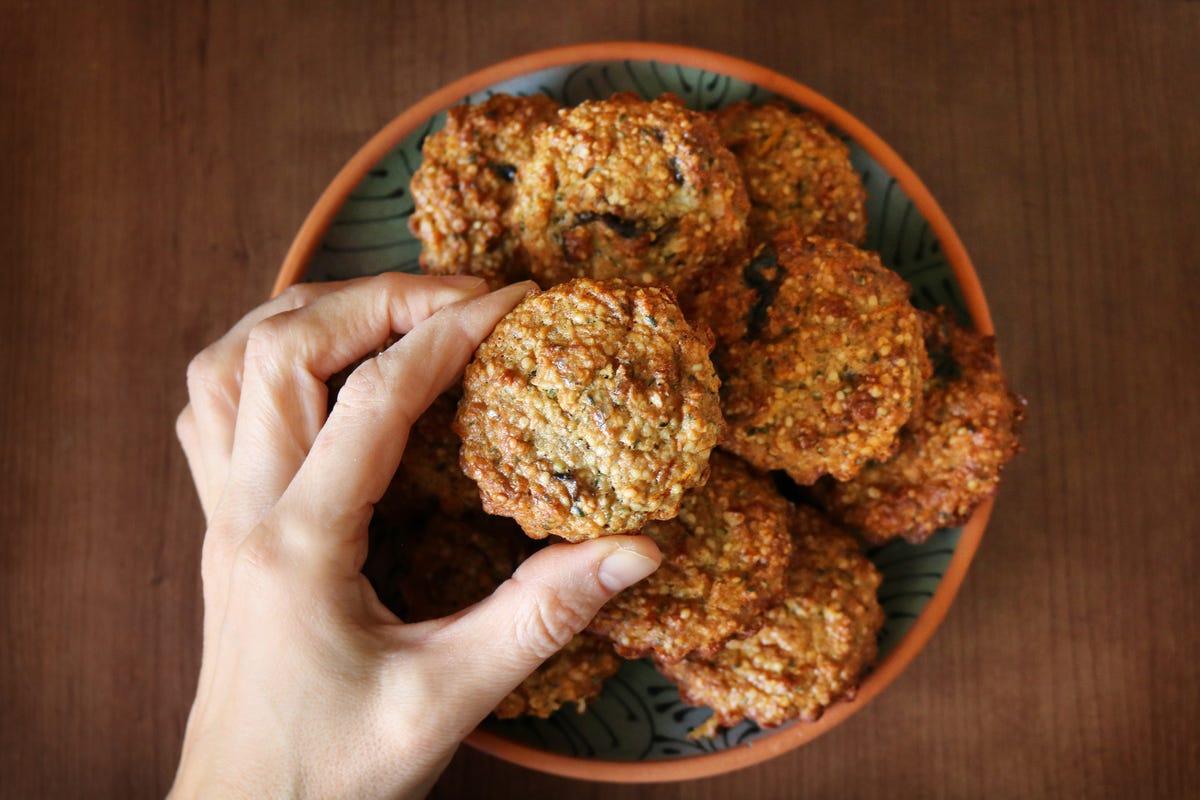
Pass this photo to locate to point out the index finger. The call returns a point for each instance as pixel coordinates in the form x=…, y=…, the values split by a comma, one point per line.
x=326, y=508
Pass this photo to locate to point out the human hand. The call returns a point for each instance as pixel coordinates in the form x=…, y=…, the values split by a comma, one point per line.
x=308, y=686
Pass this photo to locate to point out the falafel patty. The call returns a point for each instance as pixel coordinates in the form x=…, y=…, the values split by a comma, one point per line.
x=814, y=647
x=629, y=188
x=723, y=565
x=464, y=189
x=797, y=172
x=575, y=674
x=590, y=410
x=820, y=353
x=951, y=452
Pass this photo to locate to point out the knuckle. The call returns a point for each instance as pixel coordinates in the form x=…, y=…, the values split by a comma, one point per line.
x=267, y=334
x=366, y=384
x=390, y=282
x=267, y=342
x=208, y=382
x=204, y=366
x=368, y=377
x=255, y=557
x=548, y=619
x=216, y=553
x=185, y=424
x=298, y=295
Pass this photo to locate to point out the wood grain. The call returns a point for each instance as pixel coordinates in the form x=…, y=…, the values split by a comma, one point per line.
x=158, y=158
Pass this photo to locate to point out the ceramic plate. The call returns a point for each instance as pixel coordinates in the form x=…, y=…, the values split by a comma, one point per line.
x=637, y=729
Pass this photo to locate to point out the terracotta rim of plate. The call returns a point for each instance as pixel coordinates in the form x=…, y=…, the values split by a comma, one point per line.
x=334, y=197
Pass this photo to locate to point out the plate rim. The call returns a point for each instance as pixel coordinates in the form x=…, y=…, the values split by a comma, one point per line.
x=333, y=198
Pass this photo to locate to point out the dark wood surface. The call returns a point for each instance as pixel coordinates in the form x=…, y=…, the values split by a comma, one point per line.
x=156, y=159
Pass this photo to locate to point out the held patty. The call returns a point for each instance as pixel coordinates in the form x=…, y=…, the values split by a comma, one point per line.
x=590, y=410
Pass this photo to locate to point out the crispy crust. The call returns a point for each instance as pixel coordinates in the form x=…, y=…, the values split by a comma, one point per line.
x=724, y=559
x=797, y=172
x=628, y=188
x=464, y=190
x=574, y=674
x=814, y=647
x=590, y=410
x=820, y=353
x=951, y=453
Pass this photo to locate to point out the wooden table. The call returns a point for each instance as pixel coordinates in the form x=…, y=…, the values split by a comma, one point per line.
x=157, y=158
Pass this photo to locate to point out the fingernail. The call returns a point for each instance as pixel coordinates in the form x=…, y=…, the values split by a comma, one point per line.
x=461, y=281
x=526, y=288
x=623, y=568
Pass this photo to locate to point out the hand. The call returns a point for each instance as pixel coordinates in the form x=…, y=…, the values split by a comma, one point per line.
x=308, y=685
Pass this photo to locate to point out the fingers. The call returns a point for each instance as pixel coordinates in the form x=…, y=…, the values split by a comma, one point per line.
x=553, y=596
x=326, y=508
x=290, y=356
x=189, y=439
x=214, y=380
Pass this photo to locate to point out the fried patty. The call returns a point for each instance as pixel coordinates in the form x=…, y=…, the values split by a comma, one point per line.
x=723, y=565
x=629, y=188
x=797, y=172
x=574, y=674
x=590, y=410
x=814, y=647
x=463, y=191
x=820, y=354
x=951, y=452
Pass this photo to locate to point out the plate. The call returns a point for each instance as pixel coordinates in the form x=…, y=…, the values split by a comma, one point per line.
x=637, y=729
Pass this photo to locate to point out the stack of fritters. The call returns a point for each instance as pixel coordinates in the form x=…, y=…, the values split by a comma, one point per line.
x=594, y=407
x=949, y=454
x=812, y=647
x=797, y=172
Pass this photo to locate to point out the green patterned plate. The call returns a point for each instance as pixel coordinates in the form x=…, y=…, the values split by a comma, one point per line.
x=637, y=729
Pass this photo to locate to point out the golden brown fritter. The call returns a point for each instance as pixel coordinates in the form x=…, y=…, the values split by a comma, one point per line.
x=815, y=646
x=464, y=190
x=724, y=559
x=429, y=474
x=628, y=188
x=590, y=410
x=797, y=172
x=820, y=353
x=951, y=452
x=574, y=674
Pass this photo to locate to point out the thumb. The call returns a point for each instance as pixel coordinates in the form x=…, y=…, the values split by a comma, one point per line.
x=551, y=597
